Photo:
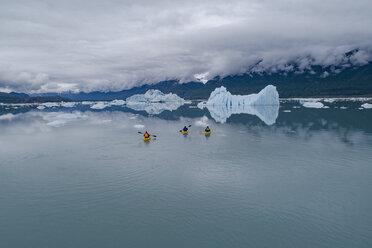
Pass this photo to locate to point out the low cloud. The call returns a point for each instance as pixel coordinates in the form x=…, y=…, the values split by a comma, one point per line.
x=54, y=46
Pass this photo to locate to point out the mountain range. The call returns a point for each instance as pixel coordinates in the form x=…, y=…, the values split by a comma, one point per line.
x=331, y=81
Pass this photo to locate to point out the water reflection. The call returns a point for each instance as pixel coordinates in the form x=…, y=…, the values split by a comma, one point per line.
x=267, y=113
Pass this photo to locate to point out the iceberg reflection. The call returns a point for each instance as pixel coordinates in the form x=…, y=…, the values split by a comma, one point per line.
x=220, y=113
x=154, y=108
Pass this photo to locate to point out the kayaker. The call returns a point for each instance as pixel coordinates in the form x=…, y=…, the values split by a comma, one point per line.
x=185, y=129
x=207, y=130
x=146, y=135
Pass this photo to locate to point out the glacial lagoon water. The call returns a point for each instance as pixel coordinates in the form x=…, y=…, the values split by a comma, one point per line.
x=82, y=177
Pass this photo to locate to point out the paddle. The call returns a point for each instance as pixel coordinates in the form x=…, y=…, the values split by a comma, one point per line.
x=151, y=134
x=188, y=126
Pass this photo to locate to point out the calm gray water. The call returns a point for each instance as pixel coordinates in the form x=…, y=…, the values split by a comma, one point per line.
x=75, y=177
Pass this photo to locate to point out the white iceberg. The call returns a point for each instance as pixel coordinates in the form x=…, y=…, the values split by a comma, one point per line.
x=99, y=105
x=222, y=104
x=40, y=107
x=268, y=96
x=51, y=104
x=366, y=105
x=311, y=103
x=117, y=102
x=152, y=96
x=68, y=104
x=154, y=102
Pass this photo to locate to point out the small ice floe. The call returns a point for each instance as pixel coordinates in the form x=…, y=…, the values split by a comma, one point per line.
x=87, y=103
x=202, y=122
x=99, y=105
x=188, y=102
x=139, y=126
x=343, y=107
x=287, y=111
x=41, y=107
x=329, y=100
x=68, y=104
x=117, y=102
x=366, y=106
x=326, y=107
x=296, y=107
x=63, y=119
x=51, y=104
x=311, y=104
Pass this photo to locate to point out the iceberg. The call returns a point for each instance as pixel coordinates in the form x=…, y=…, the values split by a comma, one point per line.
x=312, y=104
x=117, y=102
x=51, y=104
x=222, y=104
x=152, y=96
x=154, y=102
x=68, y=104
x=366, y=106
x=99, y=105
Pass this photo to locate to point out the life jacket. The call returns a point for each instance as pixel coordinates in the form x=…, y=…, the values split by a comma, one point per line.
x=146, y=134
x=185, y=129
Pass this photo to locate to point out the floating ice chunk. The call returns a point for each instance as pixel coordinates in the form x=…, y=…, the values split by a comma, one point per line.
x=152, y=96
x=343, y=107
x=311, y=104
x=154, y=102
x=68, y=104
x=366, y=106
x=87, y=103
x=222, y=104
x=99, y=105
x=329, y=100
x=41, y=107
x=326, y=107
x=287, y=111
x=268, y=96
x=117, y=102
x=202, y=122
x=139, y=126
x=51, y=104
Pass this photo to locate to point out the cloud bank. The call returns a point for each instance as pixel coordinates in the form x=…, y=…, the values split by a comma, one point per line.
x=53, y=46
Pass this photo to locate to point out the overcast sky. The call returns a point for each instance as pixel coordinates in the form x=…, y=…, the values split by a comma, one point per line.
x=113, y=45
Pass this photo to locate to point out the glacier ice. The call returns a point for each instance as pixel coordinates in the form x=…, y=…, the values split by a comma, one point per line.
x=367, y=105
x=152, y=96
x=154, y=102
x=222, y=104
x=99, y=105
x=117, y=102
x=312, y=104
x=68, y=104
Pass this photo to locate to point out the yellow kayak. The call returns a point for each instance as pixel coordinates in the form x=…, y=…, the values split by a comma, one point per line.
x=185, y=132
x=146, y=139
x=206, y=133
